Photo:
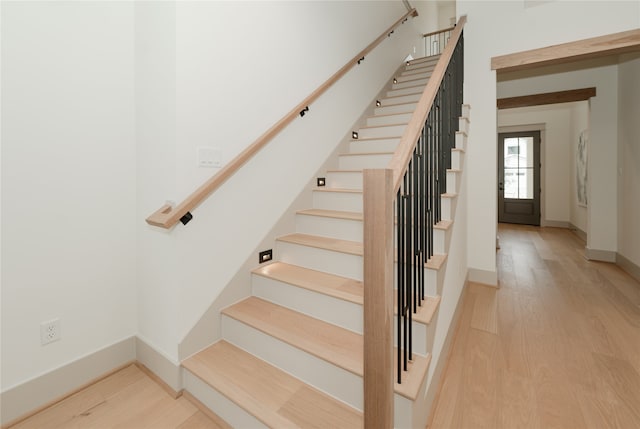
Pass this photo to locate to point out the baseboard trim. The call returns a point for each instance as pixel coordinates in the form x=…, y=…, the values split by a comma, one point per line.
x=164, y=370
x=600, y=255
x=577, y=231
x=555, y=224
x=632, y=269
x=435, y=387
x=33, y=396
x=488, y=278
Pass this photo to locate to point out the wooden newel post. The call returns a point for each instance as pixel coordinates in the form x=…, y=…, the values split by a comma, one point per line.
x=378, y=299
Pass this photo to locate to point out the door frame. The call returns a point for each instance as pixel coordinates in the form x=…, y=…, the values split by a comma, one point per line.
x=522, y=130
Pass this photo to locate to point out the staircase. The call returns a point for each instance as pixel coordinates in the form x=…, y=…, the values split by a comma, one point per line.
x=291, y=354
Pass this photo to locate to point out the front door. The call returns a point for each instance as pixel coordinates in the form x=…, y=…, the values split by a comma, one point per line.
x=519, y=177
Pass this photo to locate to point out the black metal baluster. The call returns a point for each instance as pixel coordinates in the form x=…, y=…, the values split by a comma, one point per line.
x=399, y=291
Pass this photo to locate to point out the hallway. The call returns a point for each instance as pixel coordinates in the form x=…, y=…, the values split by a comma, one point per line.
x=557, y=346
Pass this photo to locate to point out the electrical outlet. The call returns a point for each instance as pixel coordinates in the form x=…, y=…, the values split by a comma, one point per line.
x=49, y=331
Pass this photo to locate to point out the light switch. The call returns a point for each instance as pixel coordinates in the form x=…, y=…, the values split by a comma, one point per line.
x=209, y=157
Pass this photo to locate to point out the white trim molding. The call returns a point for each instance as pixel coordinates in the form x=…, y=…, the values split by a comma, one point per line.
x=600, y=255
x=489, y=278
x=44, y=390
x=632, y=269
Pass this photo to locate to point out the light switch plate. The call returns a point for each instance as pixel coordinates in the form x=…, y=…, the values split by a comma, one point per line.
x=209, y=157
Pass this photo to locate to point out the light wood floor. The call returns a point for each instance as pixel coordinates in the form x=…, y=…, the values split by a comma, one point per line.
x=128, y=399
x=557, y=346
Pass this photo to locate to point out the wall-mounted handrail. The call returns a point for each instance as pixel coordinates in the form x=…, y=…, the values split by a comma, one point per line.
x=400, y=159
x=167, y=216
x=415, y=179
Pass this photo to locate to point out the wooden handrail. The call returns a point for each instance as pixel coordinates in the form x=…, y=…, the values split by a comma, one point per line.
x=167, y=216
x=433, y=33
x=407, y=144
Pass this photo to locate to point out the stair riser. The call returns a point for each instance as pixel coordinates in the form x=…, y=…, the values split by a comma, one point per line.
x=405, y=84
x=344, y=229
x=347, y=180
x=448, y=208
x=327, y=308
x=389, y=119
x=349, y=202
x=433, y=281
x=405, y=91
x=420, y=64
x=324, y=260
x=457, y=159
x=418, y=72
x=360, y=162
x=461, y=140
x=219, y=404
x=412, y=76
x=378, y=145
x=463, y=125
x=391, y=108
x=453, y=182
x=321, y=374
x=419, y=334
x=466, y=111
x=381, y=132
x=337, y=311
x=441, y=239
x=402, y=99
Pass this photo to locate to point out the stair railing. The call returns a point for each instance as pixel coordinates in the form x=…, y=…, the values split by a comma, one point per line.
x=435, y=42
x=167, y=216
x=407, y=193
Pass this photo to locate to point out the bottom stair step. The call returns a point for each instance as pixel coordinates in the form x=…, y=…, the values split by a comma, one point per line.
x=272, y=396
x=338, y=347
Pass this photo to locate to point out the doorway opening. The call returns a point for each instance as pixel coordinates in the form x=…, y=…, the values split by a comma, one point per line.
x=519, y=178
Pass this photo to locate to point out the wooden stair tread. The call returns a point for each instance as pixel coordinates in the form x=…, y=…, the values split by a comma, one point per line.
x=360, y=139
x=391, y=114
x=335, y=214
x=368, y=127
x=349, y=247
x=454, y=170
x=336, y=286
x=425, y=312
x=407, y=87
x=398, y=96
x=443, y=224
x=449, y=195
x=336, y=345
x=329, y=284
x=327, y=243
x=274, y=397
x=343, y=190
x=328, y=342
x=396, y=104
x=344, y=171
x=436, y=261
x=365, y=153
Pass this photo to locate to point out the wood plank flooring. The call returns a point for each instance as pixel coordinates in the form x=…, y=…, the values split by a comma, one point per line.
x=557, y=346
x=128, y=399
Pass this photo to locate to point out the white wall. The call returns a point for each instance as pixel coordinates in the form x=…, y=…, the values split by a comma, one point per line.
x=555, y=154
x=239, y=68
x=579, y=123
x=68, y=181
x=497, y=28
x=629, y=159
